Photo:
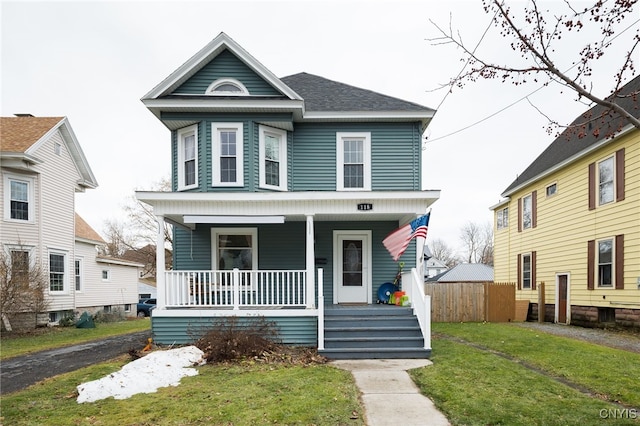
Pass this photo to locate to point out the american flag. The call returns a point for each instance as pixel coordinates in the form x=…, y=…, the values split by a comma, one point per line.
x=398, y=241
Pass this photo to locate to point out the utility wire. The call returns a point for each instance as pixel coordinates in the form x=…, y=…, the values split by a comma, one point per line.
x=513, y=103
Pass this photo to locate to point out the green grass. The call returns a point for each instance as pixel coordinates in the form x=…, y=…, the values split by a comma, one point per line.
x=55, y=337
x=245, y=394
x=472, y=386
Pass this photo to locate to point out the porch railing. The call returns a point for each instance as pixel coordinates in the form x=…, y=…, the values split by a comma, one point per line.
x=420, y=302
x=235, y=289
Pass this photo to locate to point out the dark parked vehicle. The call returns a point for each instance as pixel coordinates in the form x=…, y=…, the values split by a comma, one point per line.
x=145, y=306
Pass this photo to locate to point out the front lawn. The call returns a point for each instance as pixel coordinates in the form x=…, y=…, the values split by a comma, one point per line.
x=229, y=394
x=502, y=374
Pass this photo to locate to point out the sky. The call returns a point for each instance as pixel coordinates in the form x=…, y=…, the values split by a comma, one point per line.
x=93, y=61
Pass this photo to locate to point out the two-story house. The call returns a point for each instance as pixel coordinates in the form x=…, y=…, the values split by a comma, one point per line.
x=572, y=220
x=43, y=167
x=283, y=190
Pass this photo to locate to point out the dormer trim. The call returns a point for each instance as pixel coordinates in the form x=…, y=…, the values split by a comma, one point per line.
x=214, y=88
x=219, y=44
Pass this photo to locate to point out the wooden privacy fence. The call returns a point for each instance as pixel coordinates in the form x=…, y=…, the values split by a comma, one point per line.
x=472, y=302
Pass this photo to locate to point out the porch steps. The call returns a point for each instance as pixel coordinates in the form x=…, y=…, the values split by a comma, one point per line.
x=372, y=332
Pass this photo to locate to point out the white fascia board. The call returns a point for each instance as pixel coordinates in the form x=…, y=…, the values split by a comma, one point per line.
x=207, y=53
x=18, y=157
x=72, y=144
x=286, y=196
x=591, y=148
x=118, y=262
x=232, y=219
x=364, y=115
x=500, y=203
x=213, y=103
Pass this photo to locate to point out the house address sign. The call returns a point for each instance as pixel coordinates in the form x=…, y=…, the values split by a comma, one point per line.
x=365, y=206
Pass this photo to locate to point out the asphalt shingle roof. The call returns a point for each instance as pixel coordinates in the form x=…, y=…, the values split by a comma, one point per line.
x=85, y=231
x=18, y=134
x=321, y=94
x=579, y=137
x=465, y=272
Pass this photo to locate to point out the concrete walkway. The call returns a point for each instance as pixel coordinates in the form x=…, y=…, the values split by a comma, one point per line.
x=390, y=397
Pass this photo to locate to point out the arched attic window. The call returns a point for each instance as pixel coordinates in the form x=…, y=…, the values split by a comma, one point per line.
x=227, y=87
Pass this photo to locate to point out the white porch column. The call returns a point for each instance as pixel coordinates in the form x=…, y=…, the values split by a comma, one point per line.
x=311, y=260
x=160, y=262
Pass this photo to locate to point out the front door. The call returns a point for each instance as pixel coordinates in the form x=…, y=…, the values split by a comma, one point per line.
x=352, y=268
x=561, y=306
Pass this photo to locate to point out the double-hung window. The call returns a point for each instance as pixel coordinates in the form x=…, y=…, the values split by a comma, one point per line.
x=188, y=157
x=235, y=248
x=273, y=158
x=526, y=212
x=57, y=272
x=19, y=204
x=605, y=181
x=228, y=147
x=605, y=263
x=353, y=152
x=78, y=274
x=20, y=268
x=526, y=271
x=502, y=218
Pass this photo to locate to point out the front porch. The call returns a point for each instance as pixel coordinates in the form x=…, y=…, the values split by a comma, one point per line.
x=196, y=300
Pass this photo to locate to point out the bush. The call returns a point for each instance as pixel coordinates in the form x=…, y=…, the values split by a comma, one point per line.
x=116, y=315
x=231, y=339
x=68, y=320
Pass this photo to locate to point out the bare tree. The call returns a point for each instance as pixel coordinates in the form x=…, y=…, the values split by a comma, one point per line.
x=23, y=285
x=441, y=251
x=118, y=239
x=478, y=241
x=143, y=222
x=536, y=35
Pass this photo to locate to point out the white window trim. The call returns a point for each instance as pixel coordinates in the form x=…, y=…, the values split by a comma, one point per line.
x=65, y=277
x=211, y=90
x=530, y=197
x=613, y=199
x=505, y=218
x=234, y=231
x=366, y=147
x=282, y=135
x=108, y=279
x=238, y=127
x=8, y=177
x=613, y=263
x=181, y=134
x=522, y=270
x=81, y=260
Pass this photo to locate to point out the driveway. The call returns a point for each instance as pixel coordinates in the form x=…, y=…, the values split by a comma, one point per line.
x=22, y=371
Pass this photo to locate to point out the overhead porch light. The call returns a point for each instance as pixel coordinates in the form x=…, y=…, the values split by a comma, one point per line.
x=232, y=219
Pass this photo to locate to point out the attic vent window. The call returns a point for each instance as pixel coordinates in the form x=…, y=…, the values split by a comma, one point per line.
x=227, y=87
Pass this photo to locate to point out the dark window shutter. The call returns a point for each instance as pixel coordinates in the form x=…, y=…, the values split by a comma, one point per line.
x=592, y=186
x=620, y=175
x=619, y=262
x=534, y=209
x=533, y=270
x=519, y=214
x=591, y=259
x=519, y=268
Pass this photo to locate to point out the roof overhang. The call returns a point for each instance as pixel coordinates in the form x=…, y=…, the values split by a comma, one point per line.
x=19, y=160
x=253, y=207
x=424, y=117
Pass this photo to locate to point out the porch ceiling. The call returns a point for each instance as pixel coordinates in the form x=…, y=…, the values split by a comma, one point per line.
x=401, y=206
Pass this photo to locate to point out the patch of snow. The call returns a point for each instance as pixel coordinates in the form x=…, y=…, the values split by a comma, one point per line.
x=144, y=375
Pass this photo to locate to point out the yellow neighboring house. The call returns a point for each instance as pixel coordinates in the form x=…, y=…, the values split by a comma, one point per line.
x=572, y=221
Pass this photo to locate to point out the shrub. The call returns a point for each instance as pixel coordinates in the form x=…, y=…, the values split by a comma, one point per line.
x=115, y=315
x=232, y=339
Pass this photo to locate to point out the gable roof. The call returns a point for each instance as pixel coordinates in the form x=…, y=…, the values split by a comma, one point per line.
x=305, y=96
x=580, y=139
x=216, y=46
x=21, y=136
x=465, y=272
x=85, y=233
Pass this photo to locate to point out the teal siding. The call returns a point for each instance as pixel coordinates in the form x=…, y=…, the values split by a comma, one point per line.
x=284, y=247
x=226, y=65
x=395, y=155
x=251, y=154
x=299, y=331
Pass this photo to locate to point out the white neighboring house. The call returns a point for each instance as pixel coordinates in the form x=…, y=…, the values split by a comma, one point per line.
x=433, y=267
x=102, y=283
x=43, y=167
